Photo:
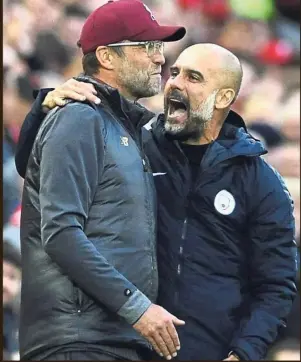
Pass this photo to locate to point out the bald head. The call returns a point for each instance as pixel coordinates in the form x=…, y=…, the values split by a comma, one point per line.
x=223, y=65
x=203, y=84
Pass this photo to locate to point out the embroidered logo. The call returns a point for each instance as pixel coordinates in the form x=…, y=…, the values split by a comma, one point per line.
x=149, y=10
x=124, y=141
x=224, y=202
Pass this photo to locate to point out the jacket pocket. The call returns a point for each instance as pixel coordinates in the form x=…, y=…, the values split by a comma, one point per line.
x=82, y=302
x=76, y=298
x=79, y=299
x=220, y=324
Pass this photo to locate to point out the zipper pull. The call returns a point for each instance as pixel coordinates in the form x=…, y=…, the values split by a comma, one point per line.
x=144, y=165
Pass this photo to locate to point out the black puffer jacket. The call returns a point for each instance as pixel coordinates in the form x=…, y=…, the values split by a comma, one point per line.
x=226, y=249
x=88, y=227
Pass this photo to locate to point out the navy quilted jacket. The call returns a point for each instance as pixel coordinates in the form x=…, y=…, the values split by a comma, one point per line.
x=226, y=249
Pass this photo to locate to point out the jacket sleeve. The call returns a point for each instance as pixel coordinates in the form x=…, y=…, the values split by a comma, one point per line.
x=71, y=163
x=29, y=131
x=273, y=267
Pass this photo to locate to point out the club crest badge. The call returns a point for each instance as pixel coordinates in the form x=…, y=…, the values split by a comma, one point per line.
x=224, y=202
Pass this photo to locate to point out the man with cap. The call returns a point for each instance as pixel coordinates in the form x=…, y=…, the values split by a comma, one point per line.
x=88, y=225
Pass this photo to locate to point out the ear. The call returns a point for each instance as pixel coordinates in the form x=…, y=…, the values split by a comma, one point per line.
x=224, y=98
x=105, y=57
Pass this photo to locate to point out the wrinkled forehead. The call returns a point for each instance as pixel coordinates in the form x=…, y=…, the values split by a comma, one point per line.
x=202, y=62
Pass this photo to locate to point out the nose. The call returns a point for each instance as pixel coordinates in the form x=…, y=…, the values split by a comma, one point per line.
x=176, y=82
x=159, y=58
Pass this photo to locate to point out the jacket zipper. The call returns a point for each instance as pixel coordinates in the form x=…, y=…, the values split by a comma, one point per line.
x=183, y=236
x=153, y=288
x=184, y=229
x=179, y=267
x=146, y=168
x=152, y=251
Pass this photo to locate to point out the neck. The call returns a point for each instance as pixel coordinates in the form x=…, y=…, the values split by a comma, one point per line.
x=109, y=79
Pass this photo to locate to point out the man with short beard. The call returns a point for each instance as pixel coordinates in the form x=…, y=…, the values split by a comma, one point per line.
x=88, y=230
x=226, y=250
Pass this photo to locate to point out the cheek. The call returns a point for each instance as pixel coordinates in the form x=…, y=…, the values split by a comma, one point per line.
x=196, y=94
x=140, y=70
x=141, y=62
x=195, y=102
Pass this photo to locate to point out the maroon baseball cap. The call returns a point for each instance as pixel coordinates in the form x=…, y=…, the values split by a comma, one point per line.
x=121, y=20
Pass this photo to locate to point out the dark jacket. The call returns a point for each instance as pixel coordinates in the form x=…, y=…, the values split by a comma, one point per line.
x=226, y=251
x=88, y=227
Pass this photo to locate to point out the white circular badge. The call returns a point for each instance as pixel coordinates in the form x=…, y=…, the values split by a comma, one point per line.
x=224, y=202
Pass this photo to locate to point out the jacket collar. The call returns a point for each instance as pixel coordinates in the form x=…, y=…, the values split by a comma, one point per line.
x=127, y=110
x=233, y=141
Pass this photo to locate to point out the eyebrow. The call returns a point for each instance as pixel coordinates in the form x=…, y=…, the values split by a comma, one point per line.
x=189, y=71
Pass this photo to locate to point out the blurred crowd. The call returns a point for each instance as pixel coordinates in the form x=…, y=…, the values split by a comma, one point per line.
x=39, y=39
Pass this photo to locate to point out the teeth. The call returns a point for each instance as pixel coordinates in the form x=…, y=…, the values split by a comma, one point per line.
x=176, y=107
x=175, y=100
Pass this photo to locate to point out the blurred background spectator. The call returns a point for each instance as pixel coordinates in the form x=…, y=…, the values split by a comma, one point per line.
x=39, y=50
x=11, y=288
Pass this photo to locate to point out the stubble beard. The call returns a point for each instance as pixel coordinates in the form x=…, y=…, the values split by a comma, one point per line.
x=139, y=83
x=197, y=122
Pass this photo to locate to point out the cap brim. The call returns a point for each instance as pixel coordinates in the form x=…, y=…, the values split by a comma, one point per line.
x=164, y=33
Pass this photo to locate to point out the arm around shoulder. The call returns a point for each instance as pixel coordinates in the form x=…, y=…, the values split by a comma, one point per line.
x=29, y=131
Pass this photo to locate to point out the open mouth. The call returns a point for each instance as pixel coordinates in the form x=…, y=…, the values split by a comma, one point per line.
x=177, y=109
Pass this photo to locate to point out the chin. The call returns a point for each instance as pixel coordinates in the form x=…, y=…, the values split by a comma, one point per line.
x=173, y=128
x=155, y=89
x=181, y=132
x=151, y=91
x=176, y=132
